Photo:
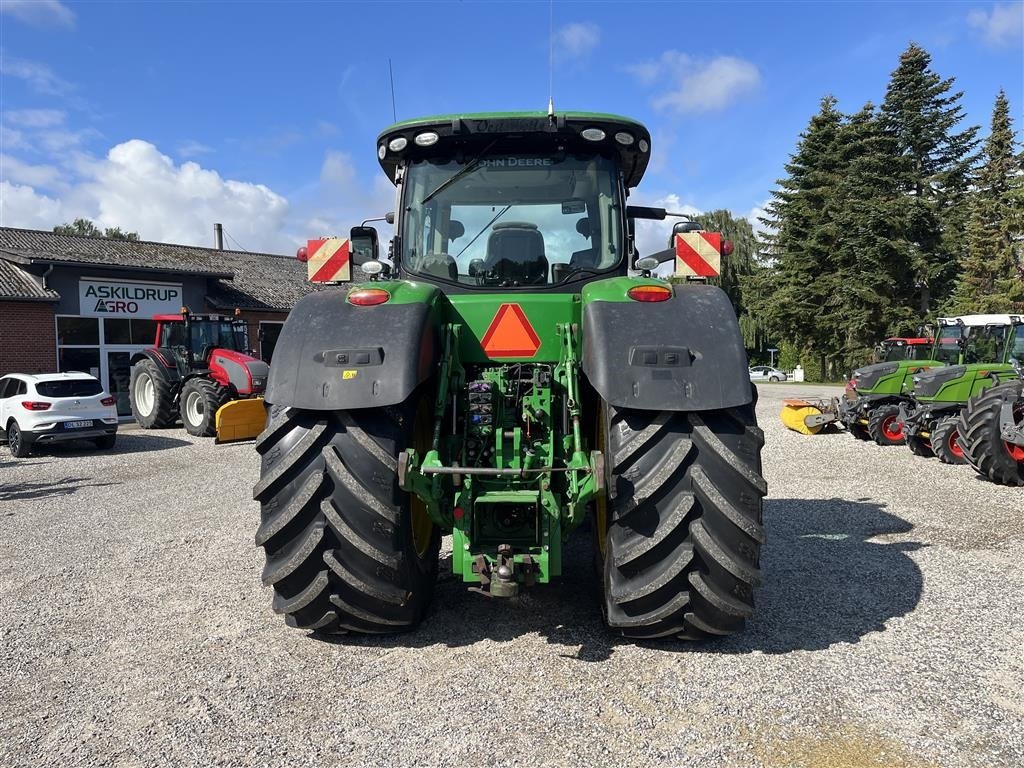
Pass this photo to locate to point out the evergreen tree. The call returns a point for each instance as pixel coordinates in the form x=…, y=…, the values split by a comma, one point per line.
x=800, y=218
x=872, y=293
x=992, y=277
x=921, y=113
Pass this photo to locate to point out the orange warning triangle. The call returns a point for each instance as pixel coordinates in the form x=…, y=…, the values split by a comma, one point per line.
x=510, y=334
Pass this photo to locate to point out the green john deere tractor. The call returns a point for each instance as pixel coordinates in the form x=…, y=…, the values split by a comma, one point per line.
x=870, y=408
x=513, y=370
x=938, y=395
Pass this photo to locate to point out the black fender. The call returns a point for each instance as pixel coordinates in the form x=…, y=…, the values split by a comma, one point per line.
x=163, y=361
x=332, y=355
x=683, y=354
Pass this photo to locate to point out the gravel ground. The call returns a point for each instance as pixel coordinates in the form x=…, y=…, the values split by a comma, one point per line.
x=135, y=631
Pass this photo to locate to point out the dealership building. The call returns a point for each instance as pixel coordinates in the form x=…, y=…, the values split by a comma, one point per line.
x=72, y=303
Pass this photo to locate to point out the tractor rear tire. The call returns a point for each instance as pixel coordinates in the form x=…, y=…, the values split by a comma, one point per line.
x=346, y=549
x=945, y=441
x=920, y=447
x=198, y=402
x=859, y=431
x=683, y=521
x=882, y=426
x=984, y=447
x=152, y=397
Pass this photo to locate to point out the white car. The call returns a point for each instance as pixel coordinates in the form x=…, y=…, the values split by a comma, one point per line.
x=766, y=373
x=55, y=407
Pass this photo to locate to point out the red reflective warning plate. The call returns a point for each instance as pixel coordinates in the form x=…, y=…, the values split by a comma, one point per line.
x=510, y=334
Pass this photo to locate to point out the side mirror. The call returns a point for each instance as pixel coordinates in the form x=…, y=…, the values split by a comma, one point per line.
x=364, y=245
x=679, y=228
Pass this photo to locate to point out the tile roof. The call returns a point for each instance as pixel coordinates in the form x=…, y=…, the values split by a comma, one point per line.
x=254, y=281
x=18, y=285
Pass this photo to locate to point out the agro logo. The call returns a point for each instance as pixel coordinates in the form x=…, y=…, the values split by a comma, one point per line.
x=116, y=306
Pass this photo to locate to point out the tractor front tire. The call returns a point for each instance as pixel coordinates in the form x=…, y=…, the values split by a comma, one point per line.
x=984, y=448
x=884, y=427
x=680, y=529
x=920, y=447
x=199, y=401
x=346, y=549
x=945, y=441
x=859, y=431
x=151, y=396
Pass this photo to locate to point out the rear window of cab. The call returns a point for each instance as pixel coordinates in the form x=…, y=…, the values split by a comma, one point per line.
x=69, y=388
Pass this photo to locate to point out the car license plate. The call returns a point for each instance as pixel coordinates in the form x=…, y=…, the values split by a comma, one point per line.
x=77, y=424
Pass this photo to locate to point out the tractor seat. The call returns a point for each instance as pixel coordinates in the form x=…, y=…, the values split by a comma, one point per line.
x=515, y=253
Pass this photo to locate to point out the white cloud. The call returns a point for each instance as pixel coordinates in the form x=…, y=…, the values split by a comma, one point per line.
x=577, y=39
x=22, y=206
x=697, y=85
x=38, y=76
x=12, y=139
x=14, y=170
x=755, y=214
x=192, y=148
x=35, y=118
x=325, y=128
x=137, y=188
x=41, y=13
x=1002, y=26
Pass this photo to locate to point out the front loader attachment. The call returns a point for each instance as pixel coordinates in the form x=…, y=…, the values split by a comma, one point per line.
x=809, y=417
x=241, y=420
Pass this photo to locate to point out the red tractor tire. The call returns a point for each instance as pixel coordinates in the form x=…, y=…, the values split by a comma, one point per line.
x=985, y=450
x=945, y=441
x=884, y=426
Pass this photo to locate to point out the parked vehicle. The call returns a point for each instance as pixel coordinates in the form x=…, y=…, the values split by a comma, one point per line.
x=501, y=381
x=197, y=365
x=766, y=373
x=55, y=408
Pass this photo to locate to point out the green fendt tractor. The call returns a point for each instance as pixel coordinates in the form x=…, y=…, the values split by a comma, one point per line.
x=871, y=406
x=514, y=370
x=938, y=395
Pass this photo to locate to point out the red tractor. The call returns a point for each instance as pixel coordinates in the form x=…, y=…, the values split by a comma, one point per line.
x=197, y=364
x=895, y=349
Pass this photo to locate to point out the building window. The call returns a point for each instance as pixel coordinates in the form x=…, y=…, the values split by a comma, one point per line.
x=128, y=331
x=78, y=331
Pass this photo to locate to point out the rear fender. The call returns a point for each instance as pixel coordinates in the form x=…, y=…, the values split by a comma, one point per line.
x=683, y=354
x=163, y=362
x=332, y=355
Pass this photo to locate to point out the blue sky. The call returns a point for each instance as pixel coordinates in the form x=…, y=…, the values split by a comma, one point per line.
x=166, y=117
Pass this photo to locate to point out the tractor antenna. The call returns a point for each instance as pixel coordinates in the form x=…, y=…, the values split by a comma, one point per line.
x=551, y=58
x=391, y=76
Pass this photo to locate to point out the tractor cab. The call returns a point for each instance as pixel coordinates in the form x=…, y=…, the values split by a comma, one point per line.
x=193, y=338
x=896, y=348
x=514, y=201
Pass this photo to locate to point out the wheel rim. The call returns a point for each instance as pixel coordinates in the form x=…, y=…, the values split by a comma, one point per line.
x=194, y=408
x=14, y=438
x=421, y=524
x=892, y=428
x=954, y=444
x=145, y=394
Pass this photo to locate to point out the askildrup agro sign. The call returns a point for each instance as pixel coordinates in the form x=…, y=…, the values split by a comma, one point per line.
x=127, y=298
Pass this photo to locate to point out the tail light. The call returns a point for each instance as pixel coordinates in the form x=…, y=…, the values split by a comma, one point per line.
x=108, y=401
x=302, y=254
x=649, y=293
x=727, y=247
x=29, y=405
x=368, y=297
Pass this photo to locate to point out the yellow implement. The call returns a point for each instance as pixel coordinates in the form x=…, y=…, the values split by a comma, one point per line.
x=241, y=420
x=807, y=417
